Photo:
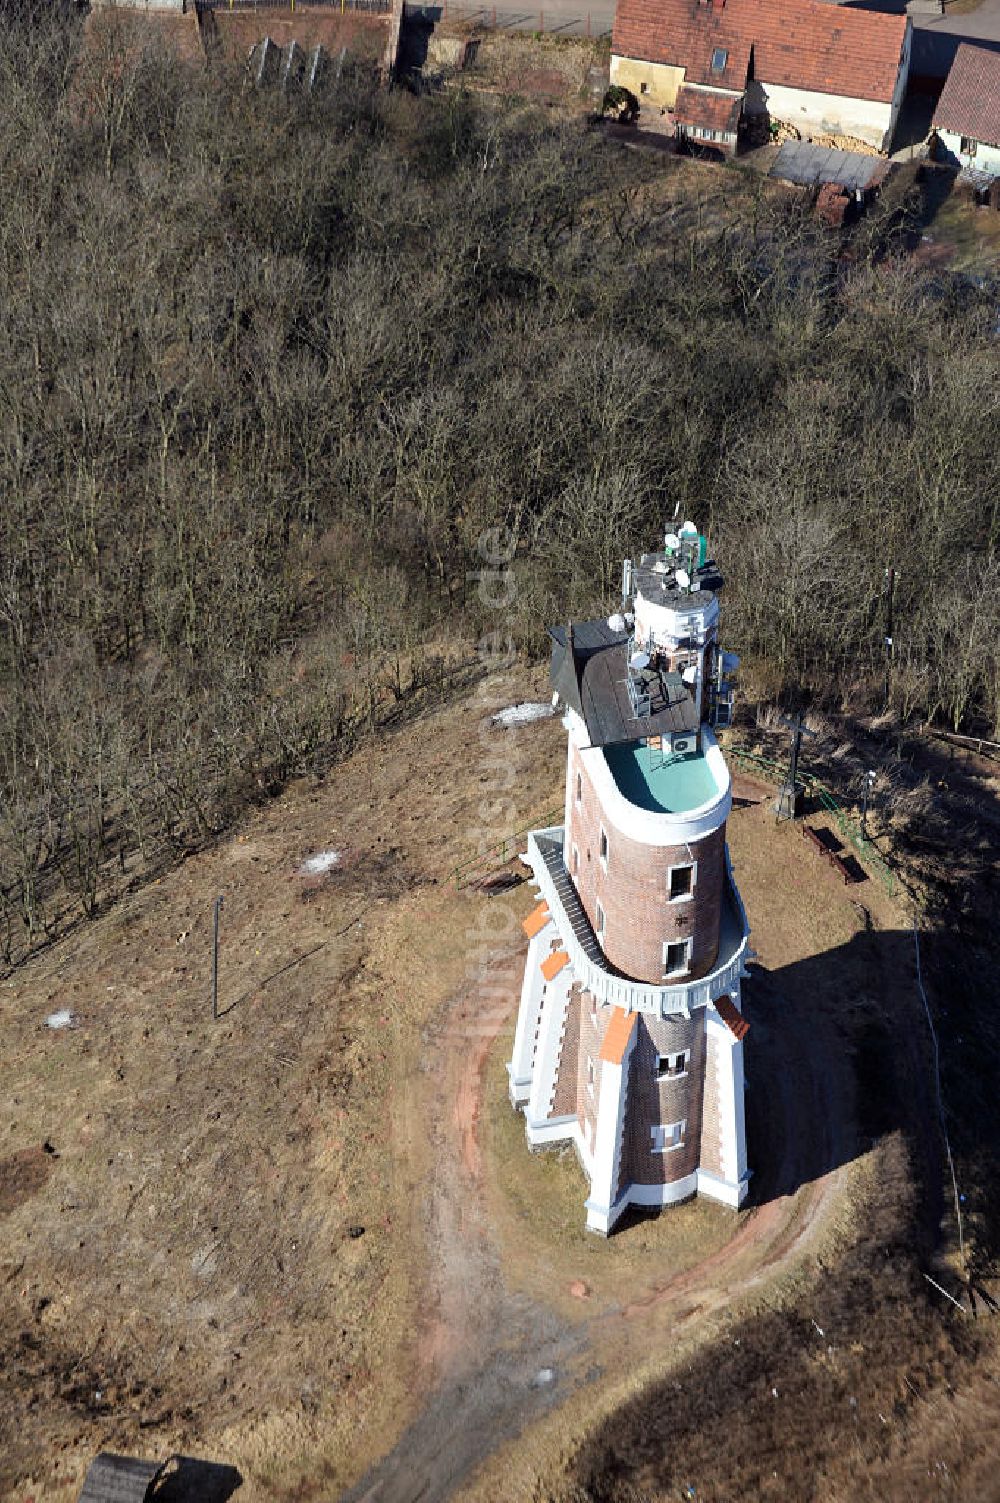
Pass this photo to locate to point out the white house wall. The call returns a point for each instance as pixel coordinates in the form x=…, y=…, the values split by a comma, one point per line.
x=986, y=159
x=832, y=113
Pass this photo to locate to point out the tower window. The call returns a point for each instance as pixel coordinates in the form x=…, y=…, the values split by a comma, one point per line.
x=676, y=957
x=576, y=861
x=672, y=1066
x=668, y=1135
x=680, y=882
x=600, y=921
x=720, y=58
x=604, y=848
x=590, y=1076
x=579, y=788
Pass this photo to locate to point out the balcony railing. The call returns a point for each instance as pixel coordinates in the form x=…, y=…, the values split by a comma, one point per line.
x=545, y=856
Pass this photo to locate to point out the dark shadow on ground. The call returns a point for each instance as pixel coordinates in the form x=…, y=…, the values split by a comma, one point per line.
x=188, y=1480
x=822, y=1058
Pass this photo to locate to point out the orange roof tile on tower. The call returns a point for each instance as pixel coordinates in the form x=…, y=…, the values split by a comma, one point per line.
x=553, y=964
x=536, y=920
x=619, y=1032
x=732, y=1017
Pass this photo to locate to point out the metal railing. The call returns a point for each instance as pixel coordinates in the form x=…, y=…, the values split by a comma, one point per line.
x=866, y=850
x=363, y=7
x=497, y=856
x=557, y=20
x=678, y=1000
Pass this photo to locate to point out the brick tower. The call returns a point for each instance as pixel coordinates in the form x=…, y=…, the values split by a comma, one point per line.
x=629, y=1038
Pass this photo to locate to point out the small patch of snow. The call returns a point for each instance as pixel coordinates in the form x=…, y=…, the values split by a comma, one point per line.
x=63, y=1018
x=523, y=714
x=323, y=861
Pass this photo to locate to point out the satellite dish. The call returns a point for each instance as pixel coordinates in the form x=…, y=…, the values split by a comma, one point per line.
x=616, y=622
x=672, y=541
x=639, y=661
x=683, y=579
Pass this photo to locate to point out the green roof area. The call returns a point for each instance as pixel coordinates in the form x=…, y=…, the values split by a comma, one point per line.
x=663, y=785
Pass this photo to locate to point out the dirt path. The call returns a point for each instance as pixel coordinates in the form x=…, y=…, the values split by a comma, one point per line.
x=497, y=1361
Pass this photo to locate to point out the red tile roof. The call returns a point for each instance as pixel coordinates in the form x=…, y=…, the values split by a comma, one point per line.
x=799, y=44
x=970, y=99
x=619, y=1032
x=713, y=111
x=732, y=1017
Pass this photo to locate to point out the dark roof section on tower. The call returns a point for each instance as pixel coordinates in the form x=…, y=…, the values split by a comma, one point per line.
x=119, y=1479
x=590, y=677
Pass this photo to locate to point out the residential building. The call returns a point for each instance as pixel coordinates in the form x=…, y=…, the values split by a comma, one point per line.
x=967, y=117
x=820, y=67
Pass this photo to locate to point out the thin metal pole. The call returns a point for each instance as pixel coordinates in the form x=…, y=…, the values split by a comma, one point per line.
x=890, y=578
x=215, y=960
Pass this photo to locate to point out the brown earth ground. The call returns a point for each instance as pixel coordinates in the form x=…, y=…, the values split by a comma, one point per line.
x=309, y=1235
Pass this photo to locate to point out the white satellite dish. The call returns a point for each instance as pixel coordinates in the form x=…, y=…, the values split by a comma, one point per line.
x=672, y=541
x=683, y=579
x=639, y=661
x=616, y=622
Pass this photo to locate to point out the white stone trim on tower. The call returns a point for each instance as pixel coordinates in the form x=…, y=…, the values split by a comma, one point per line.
x=731, y=1183
x=602, y=1211
x=640, y=824
x=554, y=1006
x=532, y=991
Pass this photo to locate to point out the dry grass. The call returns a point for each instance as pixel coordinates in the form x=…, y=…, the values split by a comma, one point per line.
x=185, y=1278
x=537, y=1212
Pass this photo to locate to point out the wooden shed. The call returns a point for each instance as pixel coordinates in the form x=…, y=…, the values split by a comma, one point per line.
x=119, y=1479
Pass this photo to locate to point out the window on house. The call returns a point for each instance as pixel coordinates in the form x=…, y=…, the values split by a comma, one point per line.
x=576, y=861
x=579, y=787
x=590, y=1076
x=644, y=88
x=672, y=1066
x=600, y=921
x=676, y=955
x=720, y=58
x=680, y=882
x=967, y=146
x=668, y=1135
x=593, y=1004
x=604, y=848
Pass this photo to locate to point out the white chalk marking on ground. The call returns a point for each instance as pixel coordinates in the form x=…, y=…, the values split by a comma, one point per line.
x=522, y=714
x=323, y=861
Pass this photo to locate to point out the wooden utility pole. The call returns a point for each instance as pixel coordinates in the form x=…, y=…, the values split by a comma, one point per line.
x=787, y=803
x=890, y=585
x=217, y=906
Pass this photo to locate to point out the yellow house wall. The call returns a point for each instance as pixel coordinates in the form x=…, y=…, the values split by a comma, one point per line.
x=662, y=81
